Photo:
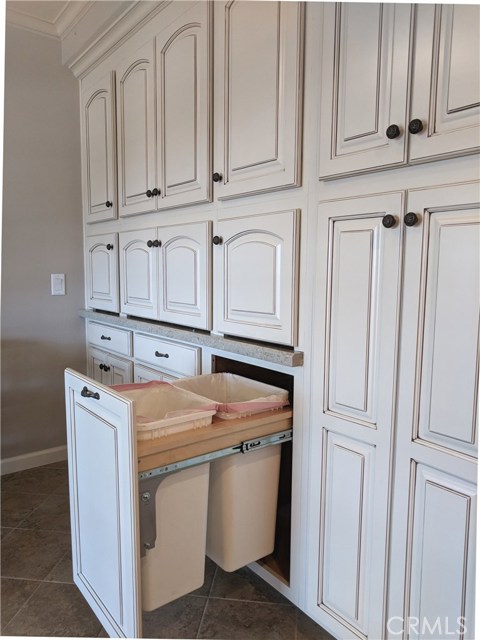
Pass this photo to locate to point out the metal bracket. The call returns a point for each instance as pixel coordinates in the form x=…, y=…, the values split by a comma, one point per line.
x=150, y=480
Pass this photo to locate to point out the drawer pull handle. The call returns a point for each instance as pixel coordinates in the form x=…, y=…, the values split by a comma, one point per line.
x=105, y=337
x=161, y=355
x=86, y=393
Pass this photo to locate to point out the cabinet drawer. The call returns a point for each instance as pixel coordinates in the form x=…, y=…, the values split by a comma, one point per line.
x=110, y=338
x=180, y=359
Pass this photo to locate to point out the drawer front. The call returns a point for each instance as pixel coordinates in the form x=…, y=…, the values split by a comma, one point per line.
x=145, y=374
x=110, y=338
x=174, y=357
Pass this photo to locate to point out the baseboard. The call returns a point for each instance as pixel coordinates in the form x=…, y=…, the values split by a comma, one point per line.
x=33, y=459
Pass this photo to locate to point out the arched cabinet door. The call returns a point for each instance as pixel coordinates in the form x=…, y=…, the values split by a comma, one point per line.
x=183, y=118
x=102, y=272
x=185, y=275
x=136, y=132
x=139, y=273
x=256, y=277
x=99, y=192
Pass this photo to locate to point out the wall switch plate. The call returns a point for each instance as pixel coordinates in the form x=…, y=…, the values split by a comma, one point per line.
x=58, y=284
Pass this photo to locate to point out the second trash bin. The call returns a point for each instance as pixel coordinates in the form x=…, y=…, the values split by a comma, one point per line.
x=242, y=499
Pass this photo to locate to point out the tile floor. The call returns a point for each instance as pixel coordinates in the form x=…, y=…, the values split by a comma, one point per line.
x=38, y=597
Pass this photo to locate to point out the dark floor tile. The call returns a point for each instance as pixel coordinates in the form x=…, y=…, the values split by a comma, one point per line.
x=238, y=620
x=210, y=568
x=244, y=585
x=14, y=595
x=178, y=619
x=62, y=571
x=103, y=634
x=4, y=531
x=52, y=514
x=61, y=464
x=38, y=480
x=31, y=554
x=307, y=629
x=16, y=506
x=55, y=610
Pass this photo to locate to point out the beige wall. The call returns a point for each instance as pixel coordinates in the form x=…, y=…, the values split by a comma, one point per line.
x=42, y=234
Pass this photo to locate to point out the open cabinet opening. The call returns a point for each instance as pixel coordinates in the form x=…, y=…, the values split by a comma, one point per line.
x=278, y=562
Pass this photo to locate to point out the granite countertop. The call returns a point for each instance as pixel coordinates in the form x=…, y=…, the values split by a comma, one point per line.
x=275, y=354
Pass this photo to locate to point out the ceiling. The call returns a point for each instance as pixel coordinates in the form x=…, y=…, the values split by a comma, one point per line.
x=52, y=18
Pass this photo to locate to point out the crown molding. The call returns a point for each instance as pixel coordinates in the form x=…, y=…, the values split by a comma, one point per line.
x=56, y=28
x=126, y=24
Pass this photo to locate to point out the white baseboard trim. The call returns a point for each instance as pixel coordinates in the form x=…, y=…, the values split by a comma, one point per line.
x=33, y=459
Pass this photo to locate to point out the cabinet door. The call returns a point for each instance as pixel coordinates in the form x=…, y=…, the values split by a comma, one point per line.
x=256, y=277
x=364, y=86
x=136, y=132
x=139, y=273
x=185, y=275
x=102, y=272
x=258, y=96
x=145, y=374
x=433, y=520
x=120, y=370
x=353, y=405
x=96, y=360
x=446, y=81
x=183, y=109
x=102, y=470
x=98, y=150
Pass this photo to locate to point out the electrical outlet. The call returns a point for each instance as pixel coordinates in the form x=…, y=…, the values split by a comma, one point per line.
x=58, y=284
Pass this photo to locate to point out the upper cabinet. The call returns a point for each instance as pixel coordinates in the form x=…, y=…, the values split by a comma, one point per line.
x=258, y=96
x=101, y=268
x=98, y=149
x=163, y=117
x=365, y=121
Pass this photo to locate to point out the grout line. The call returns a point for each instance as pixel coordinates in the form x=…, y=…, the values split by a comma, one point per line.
x=201, y=619
x=280, y=604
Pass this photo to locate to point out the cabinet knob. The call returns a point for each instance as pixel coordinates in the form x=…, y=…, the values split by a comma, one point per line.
x=415, y=126
x=106, y=367
x=156, y=192
x=217, y=177
x=101, y=366
x=109, y=247
x=217, y=240
x=109, y=203
x=149, y=193
x=161, y=355
x=393, y=131
x=410, y=219
x=153, y=243
x=389, y=221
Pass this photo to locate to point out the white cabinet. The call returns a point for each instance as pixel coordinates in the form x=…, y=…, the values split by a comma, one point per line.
x=258, y=96
x=163, y=115
x=98, y=149
x=434, y=511
x=255, y=276
x=395, y=397
x=165, y=274
x=107, y=368
x=101, y=257
x=366, y=121
x=446, y=80
x=143, y=374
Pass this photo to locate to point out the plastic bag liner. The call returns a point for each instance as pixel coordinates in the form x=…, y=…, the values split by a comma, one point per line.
x=235, y=395
x=162, y=409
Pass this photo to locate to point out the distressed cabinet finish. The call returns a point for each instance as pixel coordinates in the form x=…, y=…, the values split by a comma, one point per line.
x=434, y=512
x=352, y=433
x=395, y=440
x=98, y=149
x=163, y=116
x=102, y=272
x=366, y=121
x=256, y=276
x=258, y=96
x=165, y=274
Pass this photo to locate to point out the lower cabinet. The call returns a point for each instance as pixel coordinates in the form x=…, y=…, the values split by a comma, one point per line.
x=394, y=436
x=165, y=274
x=107, y=368
x=255, y=276
x=142, y=374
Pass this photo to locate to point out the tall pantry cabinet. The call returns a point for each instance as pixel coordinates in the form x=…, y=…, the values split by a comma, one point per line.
x=345, y=225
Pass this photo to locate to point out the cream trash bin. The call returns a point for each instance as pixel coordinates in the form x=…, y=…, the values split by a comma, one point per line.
x=175, y=564
x=242, y=499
